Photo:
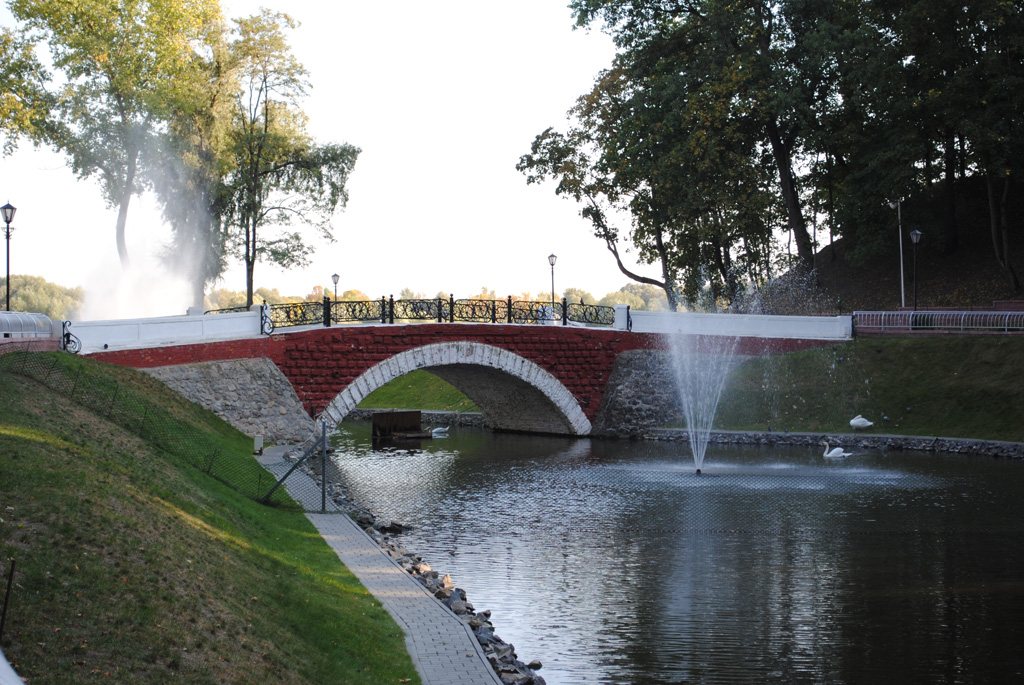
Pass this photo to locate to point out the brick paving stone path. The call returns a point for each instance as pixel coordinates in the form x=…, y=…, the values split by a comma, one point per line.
x=442, y=645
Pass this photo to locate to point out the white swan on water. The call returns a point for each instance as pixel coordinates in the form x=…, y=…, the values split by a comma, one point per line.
x=440, y=432
x=859, y=421
x=835, y=452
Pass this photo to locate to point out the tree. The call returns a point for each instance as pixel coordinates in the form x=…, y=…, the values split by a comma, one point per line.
x=621, y=297
x=575, y=295
x=484, y=294
x=278, y=173
x=36, y=294
x=652, y=142
x=123, y=63
x=24, y=102
x=735, y=55
x=653, y=298
x=190, y=164
x=354, y=296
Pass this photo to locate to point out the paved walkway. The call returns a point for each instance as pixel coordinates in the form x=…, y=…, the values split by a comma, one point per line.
x=442, y=646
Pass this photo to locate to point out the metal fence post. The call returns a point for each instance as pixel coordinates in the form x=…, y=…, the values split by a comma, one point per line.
x=327, y=312
x=7, y=598
x=565, y=312
x=440, y=309
x=451, y=307
x=323, y=470
x=383, y=309
x=391, y=309
x=509, y=310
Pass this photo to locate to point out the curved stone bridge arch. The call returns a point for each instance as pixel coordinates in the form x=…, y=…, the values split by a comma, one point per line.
x=514, y=393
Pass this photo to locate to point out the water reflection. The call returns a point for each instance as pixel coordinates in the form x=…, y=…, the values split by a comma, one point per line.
x=613, y=562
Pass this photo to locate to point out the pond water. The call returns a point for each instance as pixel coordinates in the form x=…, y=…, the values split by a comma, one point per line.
x=612, y=562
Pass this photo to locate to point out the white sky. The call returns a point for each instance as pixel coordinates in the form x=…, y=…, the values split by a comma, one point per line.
x=442, y=97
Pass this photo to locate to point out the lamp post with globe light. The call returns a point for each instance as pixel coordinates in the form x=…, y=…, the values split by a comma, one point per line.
x=8, y=211
x=897, y=205
x=915, y=238
x=551, y=261
x=335, y=278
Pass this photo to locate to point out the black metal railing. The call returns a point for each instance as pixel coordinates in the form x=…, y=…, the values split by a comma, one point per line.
x=69, y=342
x=388, y=310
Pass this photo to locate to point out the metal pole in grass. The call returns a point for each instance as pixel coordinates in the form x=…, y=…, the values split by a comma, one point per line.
x=323, y=470
x=7, y=597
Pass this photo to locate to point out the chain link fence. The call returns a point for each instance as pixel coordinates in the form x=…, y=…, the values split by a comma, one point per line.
x=125, y=406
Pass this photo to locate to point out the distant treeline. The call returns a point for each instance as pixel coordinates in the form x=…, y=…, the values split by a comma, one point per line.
x=36, y=294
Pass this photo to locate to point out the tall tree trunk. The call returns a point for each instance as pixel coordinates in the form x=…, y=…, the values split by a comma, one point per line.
x=949, y=239
x=250, y=257
x=790, y=195
x=999, y=228
x=122, y=208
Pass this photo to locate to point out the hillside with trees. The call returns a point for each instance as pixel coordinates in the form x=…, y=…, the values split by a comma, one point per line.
x=729, y=142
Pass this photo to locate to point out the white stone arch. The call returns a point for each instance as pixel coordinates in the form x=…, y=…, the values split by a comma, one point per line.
x=514, y=393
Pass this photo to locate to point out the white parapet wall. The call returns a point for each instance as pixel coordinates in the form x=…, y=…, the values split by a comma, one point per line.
x=160, y=331
x=738, y=325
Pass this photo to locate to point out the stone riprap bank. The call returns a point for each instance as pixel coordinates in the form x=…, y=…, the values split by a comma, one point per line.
x=250, y=394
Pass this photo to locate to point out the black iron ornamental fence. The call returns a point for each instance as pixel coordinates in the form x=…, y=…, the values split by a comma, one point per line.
x=388, y=310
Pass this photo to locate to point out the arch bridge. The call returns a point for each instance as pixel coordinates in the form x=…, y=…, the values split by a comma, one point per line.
x=524, y=377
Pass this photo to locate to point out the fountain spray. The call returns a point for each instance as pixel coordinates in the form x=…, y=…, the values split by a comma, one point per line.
x=701, y=364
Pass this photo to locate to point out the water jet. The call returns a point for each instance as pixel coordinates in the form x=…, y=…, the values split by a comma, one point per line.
x=701, y=364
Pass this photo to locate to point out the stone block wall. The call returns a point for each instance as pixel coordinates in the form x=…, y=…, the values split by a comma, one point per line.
x=640, y=395
x=250, y=394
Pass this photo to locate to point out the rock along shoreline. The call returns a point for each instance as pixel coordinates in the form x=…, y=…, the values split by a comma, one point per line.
x=896, y=443
x=500, y=655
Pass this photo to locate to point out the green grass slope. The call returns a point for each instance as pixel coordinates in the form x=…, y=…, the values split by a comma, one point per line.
x=967, y=387
x=132, y=566
x=418, y=390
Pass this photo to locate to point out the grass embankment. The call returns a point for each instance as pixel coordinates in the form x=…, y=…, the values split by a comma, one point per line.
x=966, y=387
x=950, y=387
x=132, y=566
x=418, y=390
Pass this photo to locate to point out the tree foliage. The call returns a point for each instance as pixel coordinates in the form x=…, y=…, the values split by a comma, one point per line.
x=24, y=102
x=159, y=94
x=721, y=122
x=278, y=173
x=36, y=294
x=124, y=65
x=190, y=162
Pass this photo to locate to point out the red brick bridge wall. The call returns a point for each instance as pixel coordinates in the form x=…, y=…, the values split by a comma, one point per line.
x=320, y=363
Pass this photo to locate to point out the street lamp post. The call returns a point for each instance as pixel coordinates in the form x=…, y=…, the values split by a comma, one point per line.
x=915, y=238
x=8, y=216
x=897, y=205
x=551, y=261
x=335, y=278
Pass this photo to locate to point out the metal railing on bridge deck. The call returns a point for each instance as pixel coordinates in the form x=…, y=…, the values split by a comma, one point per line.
x=388, y=310
x=935, y=320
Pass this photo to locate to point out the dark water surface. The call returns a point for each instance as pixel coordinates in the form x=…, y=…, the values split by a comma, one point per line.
x=612, y=562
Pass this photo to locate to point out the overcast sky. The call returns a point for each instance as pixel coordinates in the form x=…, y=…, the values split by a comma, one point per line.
x=442, y=98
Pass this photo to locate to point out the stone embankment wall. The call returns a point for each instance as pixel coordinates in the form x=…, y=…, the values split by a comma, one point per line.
x=428, y=418
x=639, y=396
x=894, y=443
x=250, y=394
